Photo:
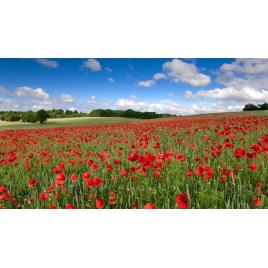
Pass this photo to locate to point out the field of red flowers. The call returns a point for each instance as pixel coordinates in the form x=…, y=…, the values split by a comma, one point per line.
x=183, y=162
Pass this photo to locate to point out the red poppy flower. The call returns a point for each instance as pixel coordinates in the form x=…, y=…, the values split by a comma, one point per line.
x=86, y=176
x=60, y=178
x=52, y=207
x=73, y=177
x=32, y=182
x=99, y=203
x=182, y=201
x=239, y=152
x=189, y=172
x=157, y=174
x=134, y=206
x=95, y=166
x=112, y=195
x=150, y=206
x=70, y=206
x=204, y=171
x=2, y=189
x=43, y=196
x=61, y=166
x=133, y=157
x=124, y=172
x=253, y=166
x=257, y=202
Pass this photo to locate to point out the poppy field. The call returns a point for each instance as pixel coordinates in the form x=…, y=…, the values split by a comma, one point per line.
x=178, y=163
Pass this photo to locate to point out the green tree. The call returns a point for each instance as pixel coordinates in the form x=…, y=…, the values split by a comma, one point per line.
x=250, y=107
x=42, y=116
x=29, y=116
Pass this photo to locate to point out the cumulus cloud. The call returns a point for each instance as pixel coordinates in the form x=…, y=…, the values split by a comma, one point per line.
x=162, y=106
x=48, y=63
x=180, y=71
x=218, y=107
x=7, y=104
x=159, y=76
x=66, y=98
x=245, y=73
x=146, y=83
x=93, y=65
x=246, y=66
x=243, y=95
x=175, y=107
x=37, y=93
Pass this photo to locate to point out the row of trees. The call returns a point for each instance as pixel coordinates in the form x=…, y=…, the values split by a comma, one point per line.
x=126, y=113
x=42, y=115
x=29, y=116
x=60, y=113
x=253, y=107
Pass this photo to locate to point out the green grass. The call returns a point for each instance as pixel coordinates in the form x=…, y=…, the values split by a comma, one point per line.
x=67, y=122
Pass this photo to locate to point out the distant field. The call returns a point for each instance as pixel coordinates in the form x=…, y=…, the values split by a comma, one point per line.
x=65, y=122
x=84, y=121
x=232, y=114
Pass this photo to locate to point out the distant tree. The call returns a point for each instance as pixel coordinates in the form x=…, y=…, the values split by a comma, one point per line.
x=263, y=106
x=42, y=116
x=4, y=116
x=29, y=116
x=68, y=112
x=250, y=107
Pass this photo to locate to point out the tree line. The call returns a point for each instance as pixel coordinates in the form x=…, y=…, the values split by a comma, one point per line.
x=126, y=113
x=253, y=107
x=42, y=115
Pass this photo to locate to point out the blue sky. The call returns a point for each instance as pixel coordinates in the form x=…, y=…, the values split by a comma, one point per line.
x=178, y=86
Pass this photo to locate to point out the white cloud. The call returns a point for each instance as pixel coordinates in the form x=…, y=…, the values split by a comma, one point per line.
x=146, y=84
x=72, y=109
x=175, y=107
x=162, y=106
x=7, y=104
x=246, y=66
x=133, y=97
x=5, y=91
x=48, y=63
x=205, y=108
x=93, y=103
x=245, y=73
x=66, y=98
x=37, y=93
x=245, y=94
x=93, y=65
x=188, y=94
x=180, y=71
x=159, y=76
x=111, y=80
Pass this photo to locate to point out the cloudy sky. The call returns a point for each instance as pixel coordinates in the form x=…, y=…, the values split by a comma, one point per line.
x=177, y=86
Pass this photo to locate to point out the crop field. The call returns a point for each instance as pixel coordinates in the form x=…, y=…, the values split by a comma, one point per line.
x=183, y=162
x=65, y=122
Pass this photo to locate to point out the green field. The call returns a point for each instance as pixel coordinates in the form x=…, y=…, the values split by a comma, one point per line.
x=65, y=122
